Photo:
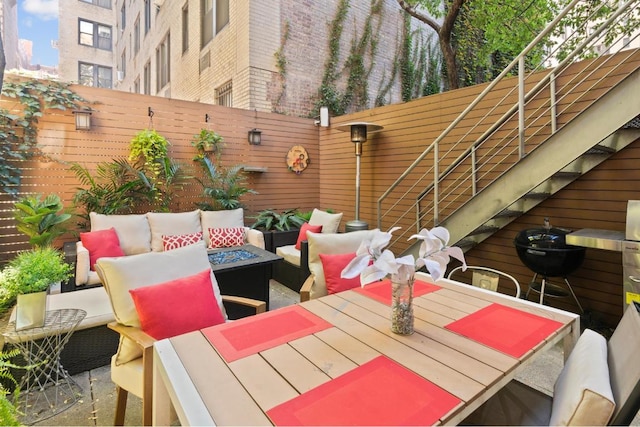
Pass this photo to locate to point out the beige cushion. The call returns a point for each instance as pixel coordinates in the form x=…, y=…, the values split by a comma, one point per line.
x=94, y=301
x=329, y=222
x=221, y=219
x=624, y=368
x=289, y=253
x=170, y=224
x=119, y=275
x=128, y=376
x=582, y=394
x=337, y=243
x=133, y=230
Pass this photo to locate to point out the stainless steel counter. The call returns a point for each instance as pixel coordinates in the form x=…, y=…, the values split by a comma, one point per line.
x=608, y=240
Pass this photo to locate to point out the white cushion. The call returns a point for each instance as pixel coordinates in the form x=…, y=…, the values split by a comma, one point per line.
x=133, y=230
x=329, y=222
x=221, y=219
x=336, y=243
x=119, y=275
x=128, y=376
x=289, y=253
x=582, y=394
x=171, y=224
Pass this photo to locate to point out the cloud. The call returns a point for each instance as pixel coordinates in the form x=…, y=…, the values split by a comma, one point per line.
x=43, y=9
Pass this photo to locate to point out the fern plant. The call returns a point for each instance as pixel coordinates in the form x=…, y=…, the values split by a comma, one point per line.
x=8, y=412
x=223, y=187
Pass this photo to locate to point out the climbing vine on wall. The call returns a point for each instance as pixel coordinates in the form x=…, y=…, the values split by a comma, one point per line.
x=19, y=131
x=281, y=61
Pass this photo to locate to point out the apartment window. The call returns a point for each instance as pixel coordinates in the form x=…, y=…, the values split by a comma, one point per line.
x=222, y=14
x=123, y=64
x=95, y=75
x=102, y=3
x=185, y=28
x=94, y=34
x=136, y=36
x=162, y=63
x=214, y=16
x=123, y=16
x=224, y=94
x=147, y=16
x=147, y=78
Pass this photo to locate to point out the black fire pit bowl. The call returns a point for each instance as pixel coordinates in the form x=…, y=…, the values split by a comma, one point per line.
x=545, y=252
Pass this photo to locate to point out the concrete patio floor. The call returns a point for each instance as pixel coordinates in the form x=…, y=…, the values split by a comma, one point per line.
x=96, y=407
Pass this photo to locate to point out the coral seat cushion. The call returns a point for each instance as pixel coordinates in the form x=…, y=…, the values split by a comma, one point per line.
x=101, y=243
x=302, y=236
x=178, y=306
x=333, y=264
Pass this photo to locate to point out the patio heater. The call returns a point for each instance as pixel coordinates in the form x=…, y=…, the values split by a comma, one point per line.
x=359, y=132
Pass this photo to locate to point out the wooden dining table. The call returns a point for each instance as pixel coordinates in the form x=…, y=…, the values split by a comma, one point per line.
x=334, y=360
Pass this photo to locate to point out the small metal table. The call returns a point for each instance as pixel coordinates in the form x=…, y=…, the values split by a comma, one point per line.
x=46, y=389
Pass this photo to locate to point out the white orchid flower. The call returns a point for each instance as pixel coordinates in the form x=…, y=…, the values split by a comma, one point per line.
x=373, y=262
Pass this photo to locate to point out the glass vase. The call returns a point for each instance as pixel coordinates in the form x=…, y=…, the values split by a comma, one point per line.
x=402, y=306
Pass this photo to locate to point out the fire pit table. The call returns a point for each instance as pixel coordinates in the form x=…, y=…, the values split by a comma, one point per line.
x=243, y=271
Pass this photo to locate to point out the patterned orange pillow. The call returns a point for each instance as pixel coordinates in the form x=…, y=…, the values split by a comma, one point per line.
x=226, y=237
x=179, y=240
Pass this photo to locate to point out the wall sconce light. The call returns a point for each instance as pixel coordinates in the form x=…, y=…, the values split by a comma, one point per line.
x=83, y=119
x=323, y=118
x=255, y=137
x=358, y=137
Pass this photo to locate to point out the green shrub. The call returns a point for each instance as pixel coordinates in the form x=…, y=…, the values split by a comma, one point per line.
x=34, y=270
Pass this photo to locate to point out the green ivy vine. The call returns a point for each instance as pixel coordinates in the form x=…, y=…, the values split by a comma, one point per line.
x=19, y=131
x=281, y=60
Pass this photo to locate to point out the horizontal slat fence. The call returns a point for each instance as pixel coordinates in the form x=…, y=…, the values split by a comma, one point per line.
x=597, y=200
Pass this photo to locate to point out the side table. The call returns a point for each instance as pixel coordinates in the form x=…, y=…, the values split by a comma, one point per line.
x=46, y=389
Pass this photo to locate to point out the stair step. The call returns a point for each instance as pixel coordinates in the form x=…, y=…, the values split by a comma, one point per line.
x=600, y=149
x=537, y=195
x=508, y=213
x=466, y=244
x=484, y=229
x=567, y=175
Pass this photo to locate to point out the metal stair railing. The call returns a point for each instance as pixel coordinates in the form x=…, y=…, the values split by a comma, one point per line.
x=522, y=124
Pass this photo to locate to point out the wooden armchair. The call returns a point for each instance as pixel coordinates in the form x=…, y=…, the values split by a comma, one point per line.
x=131, y=366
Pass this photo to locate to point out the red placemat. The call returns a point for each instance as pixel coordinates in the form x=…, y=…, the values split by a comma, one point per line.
x=381, y=291
x=380, y=392
x=506, y=329
x=241, y=338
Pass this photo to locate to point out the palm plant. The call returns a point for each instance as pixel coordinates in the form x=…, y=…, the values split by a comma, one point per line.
x=223, y=186
x=116, y=188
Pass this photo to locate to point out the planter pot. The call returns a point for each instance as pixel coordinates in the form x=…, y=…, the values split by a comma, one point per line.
x=31, y=310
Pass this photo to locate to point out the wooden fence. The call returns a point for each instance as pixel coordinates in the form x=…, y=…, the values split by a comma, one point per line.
x=597, y=200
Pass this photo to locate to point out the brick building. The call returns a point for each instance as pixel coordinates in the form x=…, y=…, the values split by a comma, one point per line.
x=264, y=55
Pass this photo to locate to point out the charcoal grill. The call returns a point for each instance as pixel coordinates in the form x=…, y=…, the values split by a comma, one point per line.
x=544, y=251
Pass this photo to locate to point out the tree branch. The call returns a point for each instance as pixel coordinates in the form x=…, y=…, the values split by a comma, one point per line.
x=411, y=10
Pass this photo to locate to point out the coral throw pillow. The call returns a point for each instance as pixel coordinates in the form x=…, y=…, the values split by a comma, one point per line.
x=101, y=243
x=226, y=237
x=179, y=240
x=178, y=306
x=333, y=264
x=302, y=236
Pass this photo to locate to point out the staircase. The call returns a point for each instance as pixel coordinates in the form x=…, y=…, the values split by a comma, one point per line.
x=502, y=157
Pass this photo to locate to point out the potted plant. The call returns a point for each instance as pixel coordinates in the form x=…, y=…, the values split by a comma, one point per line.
x=279, y=228
x=207, y=141
x=28, y=277
x=41, y=220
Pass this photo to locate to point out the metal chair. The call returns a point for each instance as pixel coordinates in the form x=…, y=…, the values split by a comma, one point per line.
x=487, y=278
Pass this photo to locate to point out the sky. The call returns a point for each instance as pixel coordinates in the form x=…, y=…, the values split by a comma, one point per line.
x=38, y=22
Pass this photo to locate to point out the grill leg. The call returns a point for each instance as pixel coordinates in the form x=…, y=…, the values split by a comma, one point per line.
x=544, y=281
x=574, y=295
x=535, y=276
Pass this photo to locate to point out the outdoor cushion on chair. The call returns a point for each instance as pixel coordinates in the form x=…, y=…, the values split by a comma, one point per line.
x=165, y=224
x=329, y=222
x=320, y=243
